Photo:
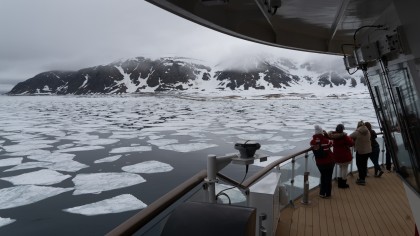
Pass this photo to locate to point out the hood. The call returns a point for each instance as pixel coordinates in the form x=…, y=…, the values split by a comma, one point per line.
x=363, y=130
x=336, y=135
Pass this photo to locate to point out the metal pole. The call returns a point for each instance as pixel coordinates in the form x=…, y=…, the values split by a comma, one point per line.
x=383, y=151
x=305, y=198
x=292, y=181
x=211, y=178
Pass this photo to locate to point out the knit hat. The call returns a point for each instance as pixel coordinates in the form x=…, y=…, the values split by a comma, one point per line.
x=360, y=123
x=339, y=128
x=318, y=129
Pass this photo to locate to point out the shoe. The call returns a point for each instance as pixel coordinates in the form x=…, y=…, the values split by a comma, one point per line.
x=342, y=183
x=379, y=174
x=345, y=185
x=323, y=196
x=360, y=182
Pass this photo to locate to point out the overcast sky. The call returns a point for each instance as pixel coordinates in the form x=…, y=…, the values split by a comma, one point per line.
x=43, y=35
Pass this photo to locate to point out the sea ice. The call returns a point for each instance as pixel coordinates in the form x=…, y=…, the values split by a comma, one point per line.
x=269, y=160
x=52, y=157
x=29, y=165
x=300, y=139
x=67, y=166
x=121, y=203
x=68, y=145
x=131, y=149
x=23, y=147
x=124, y=136
x=81, y=149
x=234, y=194
x=108, y=159
x=40, y=177
x=188, y=147
x=99, y=182
x=276, y=148
x=277, y=139
x=162, y=142
x=6, y=221
x=98, y=142
x=27, y=194
x=255, y=137
x=313, y=181
x=148, y=167
x=11, y=161
x=30, y=152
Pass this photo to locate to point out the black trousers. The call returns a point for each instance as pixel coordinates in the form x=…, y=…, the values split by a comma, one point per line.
x=326, y=179
x=361, y=163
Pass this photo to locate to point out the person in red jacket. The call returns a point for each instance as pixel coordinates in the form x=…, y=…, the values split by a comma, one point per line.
x=341, y=153
x=324, y=161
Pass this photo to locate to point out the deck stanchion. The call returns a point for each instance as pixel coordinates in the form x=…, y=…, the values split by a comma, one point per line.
x=211, y=178
x=305, y=197
x=383, y=151
x=292, y=181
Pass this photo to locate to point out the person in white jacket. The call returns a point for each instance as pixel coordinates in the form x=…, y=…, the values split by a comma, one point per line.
x=363, y=148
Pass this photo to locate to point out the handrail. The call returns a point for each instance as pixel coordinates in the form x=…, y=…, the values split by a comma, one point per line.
x=251, y=180
x=137, y=221
x=143, y=217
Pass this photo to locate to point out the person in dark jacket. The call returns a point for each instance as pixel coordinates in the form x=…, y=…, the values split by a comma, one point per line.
x=374, y=156
x=341, y=153
x=326, y=163
x=363, y=148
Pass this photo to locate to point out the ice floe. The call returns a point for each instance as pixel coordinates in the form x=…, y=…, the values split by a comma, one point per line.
x=11, y=161
x=27, y=194
x=188, y=147
x=121, y=203
x=99, y=182
x=29, y=165
x=108, y=159
x=81, y=149
x=67, y=166
x=313, y=181
x=255, y=137
x=30, y=152
x=162, y=142
x=98, y=142
x=276, y=148
x=148, y=167
x=131, y=149
x=52, y=157
x=40, y=177
x=235, y=195
x=25, y=147
x=6, y=221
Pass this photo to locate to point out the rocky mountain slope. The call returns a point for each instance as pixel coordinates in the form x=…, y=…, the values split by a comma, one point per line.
x=140, y=74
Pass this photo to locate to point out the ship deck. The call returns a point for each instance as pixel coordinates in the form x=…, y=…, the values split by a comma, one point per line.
x=379, y=208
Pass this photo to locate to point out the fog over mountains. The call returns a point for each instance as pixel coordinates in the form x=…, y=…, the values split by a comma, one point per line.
x=258, y=74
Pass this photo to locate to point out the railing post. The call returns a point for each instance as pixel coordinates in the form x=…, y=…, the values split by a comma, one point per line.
x=292, y=181
x=211, y=178
x=383, y=151
x=305, y=198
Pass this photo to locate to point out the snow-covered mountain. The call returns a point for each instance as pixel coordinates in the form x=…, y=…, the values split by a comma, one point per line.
x=256, y=75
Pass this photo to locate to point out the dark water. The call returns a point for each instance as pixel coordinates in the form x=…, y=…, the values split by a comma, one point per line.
x=206, y=122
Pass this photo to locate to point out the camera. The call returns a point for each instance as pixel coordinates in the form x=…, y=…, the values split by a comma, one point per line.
x=247, y=150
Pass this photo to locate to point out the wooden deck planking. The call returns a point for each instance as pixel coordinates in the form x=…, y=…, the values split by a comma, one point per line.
x=379, y=208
